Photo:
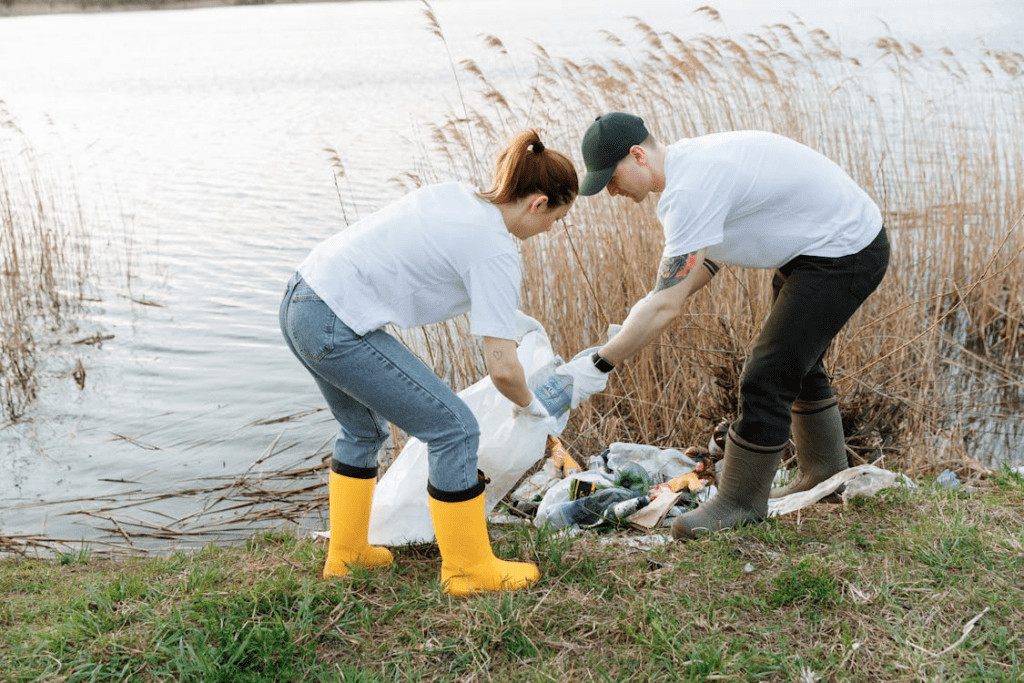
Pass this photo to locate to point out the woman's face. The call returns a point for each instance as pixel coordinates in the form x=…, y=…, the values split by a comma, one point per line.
x=541, y=219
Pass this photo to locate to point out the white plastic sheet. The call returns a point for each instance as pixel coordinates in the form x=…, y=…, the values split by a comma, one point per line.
x=508, y=448
x=863, y=480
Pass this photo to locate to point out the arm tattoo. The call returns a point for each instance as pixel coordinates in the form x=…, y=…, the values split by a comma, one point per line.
x=674, y=269
x=711, y=266
x=497, y=354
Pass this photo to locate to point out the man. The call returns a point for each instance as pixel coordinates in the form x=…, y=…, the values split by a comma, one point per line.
x=755, y=200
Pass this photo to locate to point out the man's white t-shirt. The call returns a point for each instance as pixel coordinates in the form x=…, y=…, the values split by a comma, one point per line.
x=758, y=200
x=438, y=252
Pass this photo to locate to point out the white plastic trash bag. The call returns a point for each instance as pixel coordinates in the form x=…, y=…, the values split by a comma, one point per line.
x=508, y=448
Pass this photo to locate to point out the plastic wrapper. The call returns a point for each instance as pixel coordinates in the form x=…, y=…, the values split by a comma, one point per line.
x=862, y=480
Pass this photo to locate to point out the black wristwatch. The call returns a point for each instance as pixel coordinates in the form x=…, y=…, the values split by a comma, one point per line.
x=602, y=364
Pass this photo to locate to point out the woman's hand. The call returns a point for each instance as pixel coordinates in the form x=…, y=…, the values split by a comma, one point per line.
x=535, y=409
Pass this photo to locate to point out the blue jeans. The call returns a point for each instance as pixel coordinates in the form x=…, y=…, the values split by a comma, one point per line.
x=812, y=299
x=373, y=379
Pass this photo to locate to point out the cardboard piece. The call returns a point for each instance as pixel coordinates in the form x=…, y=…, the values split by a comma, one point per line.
x=654, y=514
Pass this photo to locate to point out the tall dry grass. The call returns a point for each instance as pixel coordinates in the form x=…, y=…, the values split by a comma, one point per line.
x=927, y=372
x=44, y=263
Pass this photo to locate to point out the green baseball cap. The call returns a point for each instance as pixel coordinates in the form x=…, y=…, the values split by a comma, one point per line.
x=605, y=144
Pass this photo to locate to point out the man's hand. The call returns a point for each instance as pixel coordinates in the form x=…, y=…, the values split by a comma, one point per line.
x=587, y=380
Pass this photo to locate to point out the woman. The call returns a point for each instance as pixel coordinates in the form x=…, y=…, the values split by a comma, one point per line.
x=439, y=252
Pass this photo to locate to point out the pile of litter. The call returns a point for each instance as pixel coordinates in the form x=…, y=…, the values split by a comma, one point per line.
x=626, y=485
x=644, y=487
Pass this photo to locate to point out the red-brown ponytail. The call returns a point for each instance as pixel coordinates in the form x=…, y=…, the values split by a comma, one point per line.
x=527, y=167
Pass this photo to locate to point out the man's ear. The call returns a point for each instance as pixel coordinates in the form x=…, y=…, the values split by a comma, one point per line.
x=639, y=155
x=538, y=203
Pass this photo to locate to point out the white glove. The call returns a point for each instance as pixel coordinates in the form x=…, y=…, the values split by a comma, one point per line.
x=535, y=409
x=587, y=380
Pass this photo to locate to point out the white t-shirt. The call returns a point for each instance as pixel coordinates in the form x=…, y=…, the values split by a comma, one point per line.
x=758, y=200
x=438, y=252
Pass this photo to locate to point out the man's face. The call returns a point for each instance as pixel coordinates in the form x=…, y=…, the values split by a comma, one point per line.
x=631, y=179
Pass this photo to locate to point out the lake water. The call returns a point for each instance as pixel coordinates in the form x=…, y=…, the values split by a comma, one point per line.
x=196, y=140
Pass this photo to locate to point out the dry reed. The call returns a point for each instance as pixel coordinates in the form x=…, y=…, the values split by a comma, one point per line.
x=280, y=488
x=927, y=372
x=45, y=263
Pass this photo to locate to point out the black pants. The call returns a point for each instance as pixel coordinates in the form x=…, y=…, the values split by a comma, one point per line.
x=812, y=298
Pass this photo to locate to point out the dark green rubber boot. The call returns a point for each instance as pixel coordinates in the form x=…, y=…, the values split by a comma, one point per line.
x=820, y=446
x=743, y=489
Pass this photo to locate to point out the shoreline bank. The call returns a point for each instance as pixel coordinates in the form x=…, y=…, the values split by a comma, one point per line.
x=23, y=8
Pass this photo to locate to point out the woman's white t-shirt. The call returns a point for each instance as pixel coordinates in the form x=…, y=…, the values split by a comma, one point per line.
x=438, y=252
x=758, y=200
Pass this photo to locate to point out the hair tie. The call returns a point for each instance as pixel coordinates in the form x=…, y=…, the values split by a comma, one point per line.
x=537, y=147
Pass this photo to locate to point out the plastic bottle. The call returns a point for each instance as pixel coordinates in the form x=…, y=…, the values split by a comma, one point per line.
x=592, y=510
x=627, y=507
x=564, y=515
x=948, y=480
x=553, y=390
x=633, y=476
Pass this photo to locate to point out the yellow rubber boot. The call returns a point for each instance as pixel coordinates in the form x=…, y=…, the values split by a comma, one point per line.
x=468, y=565
x=351, y=495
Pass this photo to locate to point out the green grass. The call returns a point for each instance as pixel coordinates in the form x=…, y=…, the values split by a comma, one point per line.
x=878, y=589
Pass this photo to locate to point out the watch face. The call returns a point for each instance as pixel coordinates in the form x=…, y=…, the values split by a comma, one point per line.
x=602, y=364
